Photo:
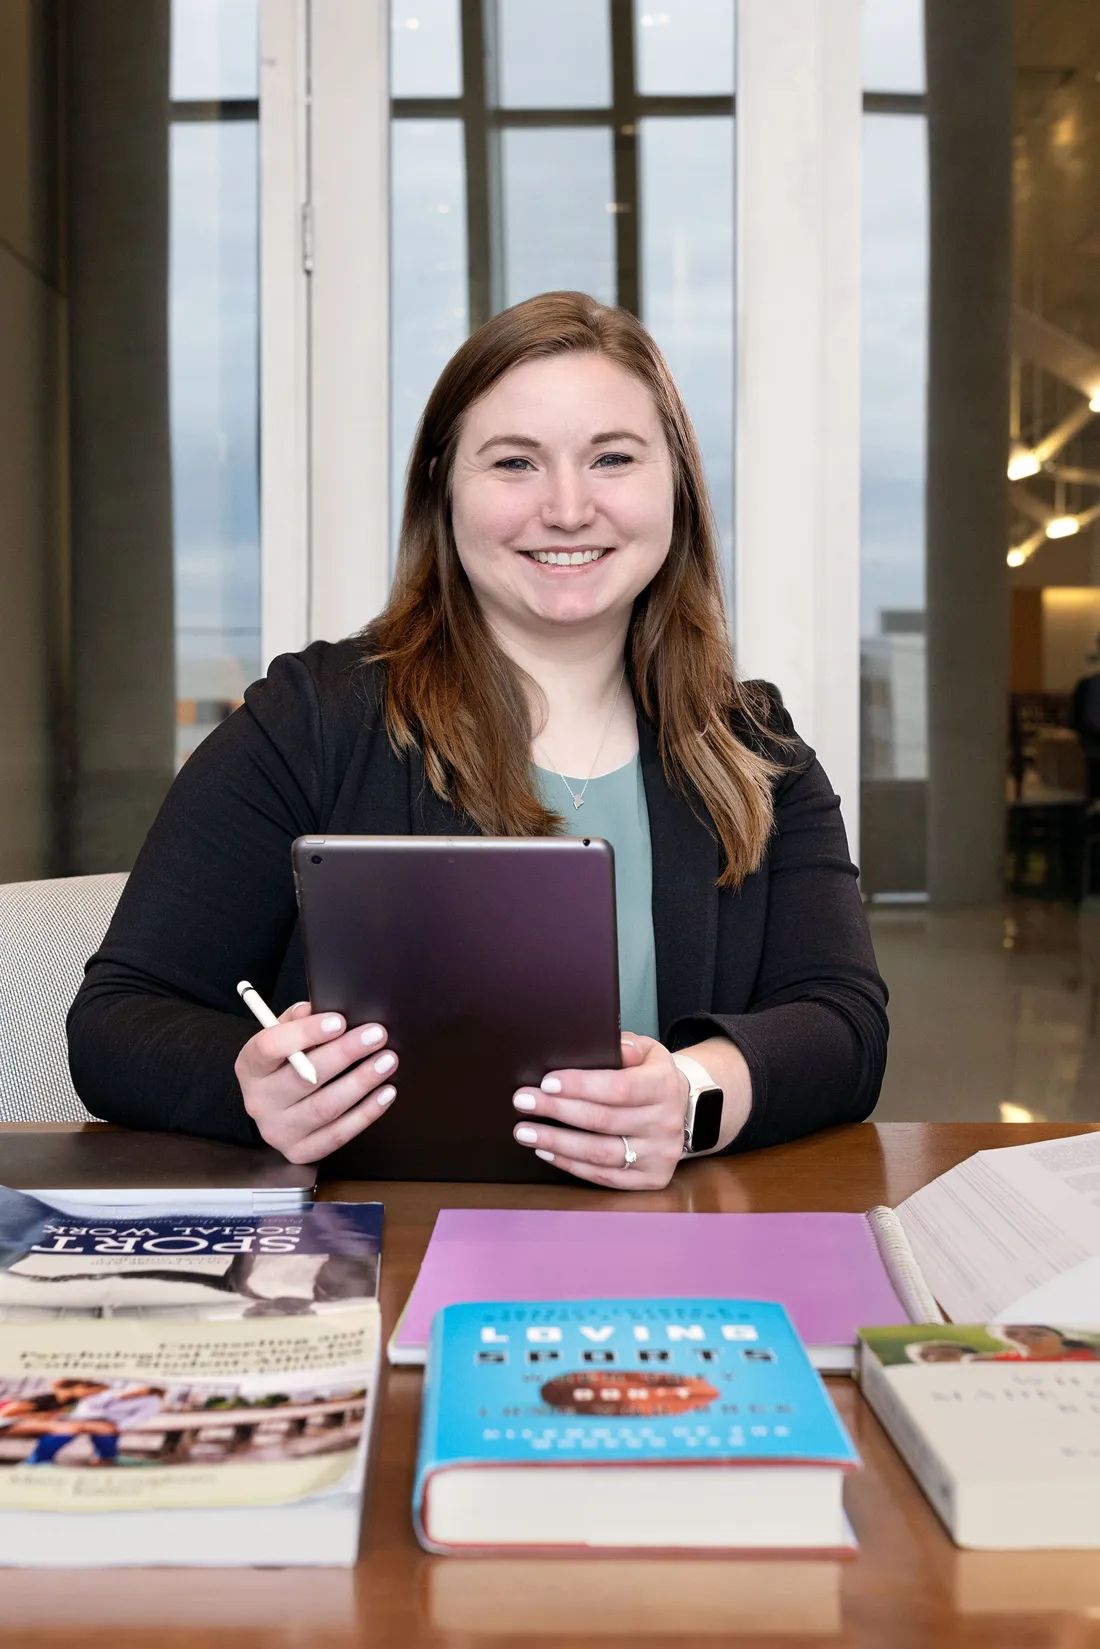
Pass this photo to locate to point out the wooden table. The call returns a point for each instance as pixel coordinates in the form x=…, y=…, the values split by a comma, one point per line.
x=909, y=1588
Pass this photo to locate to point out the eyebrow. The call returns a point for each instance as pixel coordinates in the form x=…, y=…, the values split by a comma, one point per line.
x=529, y=441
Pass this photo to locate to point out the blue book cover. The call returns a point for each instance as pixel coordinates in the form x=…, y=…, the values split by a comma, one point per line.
x=622, y=1382
x=54, y=1262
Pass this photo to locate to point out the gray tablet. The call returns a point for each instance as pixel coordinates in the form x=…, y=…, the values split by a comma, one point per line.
x=490, y=961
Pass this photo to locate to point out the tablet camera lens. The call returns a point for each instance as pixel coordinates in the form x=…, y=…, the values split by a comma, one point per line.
x=315, y=858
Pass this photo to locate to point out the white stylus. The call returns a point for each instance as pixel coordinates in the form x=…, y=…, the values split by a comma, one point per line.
x=255, y=1002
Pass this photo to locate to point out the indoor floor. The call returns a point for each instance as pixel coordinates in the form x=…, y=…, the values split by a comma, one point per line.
x=993, y=1012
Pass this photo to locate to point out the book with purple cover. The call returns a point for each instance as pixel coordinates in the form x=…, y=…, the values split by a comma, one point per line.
x=834, y=1273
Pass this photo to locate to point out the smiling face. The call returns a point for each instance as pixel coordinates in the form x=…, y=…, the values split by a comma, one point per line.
x=1034, y=1340
x=562, y=495
x=938, y=1351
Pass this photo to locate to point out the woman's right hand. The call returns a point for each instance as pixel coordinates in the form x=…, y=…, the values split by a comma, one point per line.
x=305, y=1122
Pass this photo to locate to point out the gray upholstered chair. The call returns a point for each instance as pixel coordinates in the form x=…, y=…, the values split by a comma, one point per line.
x=48, y=930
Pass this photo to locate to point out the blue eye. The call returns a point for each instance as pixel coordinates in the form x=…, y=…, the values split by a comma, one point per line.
x=512, y=465
x=614, y=459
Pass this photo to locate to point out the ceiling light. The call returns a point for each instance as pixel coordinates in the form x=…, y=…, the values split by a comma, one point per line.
x=1016, y=558
x=1063, y=526
x=1022, y=464
x=1094, y=402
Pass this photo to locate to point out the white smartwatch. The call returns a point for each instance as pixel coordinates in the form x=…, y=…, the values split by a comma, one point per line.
x=703, y=1121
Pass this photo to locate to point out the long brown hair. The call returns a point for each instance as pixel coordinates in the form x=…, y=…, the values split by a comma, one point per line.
x=450, y=687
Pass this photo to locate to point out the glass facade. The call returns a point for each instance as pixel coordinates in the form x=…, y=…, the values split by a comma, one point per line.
x=589, y=146
x=687, y=278
x=425, y=54
x=894, y=721
x=213, y=315
x=893, y=46
x=685, y=48
x=553, y=57
x=895, y=326
x=429, y=309
x=557, y=184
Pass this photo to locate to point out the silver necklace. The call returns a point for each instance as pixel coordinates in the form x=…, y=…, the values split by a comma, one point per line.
x=577, y=796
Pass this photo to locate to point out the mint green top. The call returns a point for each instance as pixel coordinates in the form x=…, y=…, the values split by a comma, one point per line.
x=615, y=809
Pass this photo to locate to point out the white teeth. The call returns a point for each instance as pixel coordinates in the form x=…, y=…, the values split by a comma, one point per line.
x=565, y=558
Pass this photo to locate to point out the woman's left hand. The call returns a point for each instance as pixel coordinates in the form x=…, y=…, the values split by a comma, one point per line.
x=645, y=1103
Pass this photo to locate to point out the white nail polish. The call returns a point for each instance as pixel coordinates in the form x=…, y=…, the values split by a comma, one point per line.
x=524, y=1102
x=332, y=1022
x=547, y=1156
x=372, y=1035
x=384, y=1064
x=550, y=1085
x=526, y=1136
x=386, y=1094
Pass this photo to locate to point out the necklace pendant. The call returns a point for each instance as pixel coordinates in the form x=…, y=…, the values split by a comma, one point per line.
x=578, y=801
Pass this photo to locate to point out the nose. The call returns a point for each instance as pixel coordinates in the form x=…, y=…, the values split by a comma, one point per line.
x=568, y=504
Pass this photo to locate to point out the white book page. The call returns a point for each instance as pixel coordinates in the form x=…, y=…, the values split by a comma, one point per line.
x=1005, y=1222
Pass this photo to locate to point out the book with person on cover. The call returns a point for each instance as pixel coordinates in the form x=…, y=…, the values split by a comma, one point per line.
x=55, y=1262
x=627, y=1424
x=999, y=1424
x=188, y=1441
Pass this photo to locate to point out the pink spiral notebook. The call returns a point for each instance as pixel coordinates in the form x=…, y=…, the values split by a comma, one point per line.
x=835, y=1273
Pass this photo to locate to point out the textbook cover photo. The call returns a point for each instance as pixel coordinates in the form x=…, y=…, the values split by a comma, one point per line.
x=317, y=1260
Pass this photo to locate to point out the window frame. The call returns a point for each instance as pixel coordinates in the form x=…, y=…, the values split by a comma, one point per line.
x=484, y=121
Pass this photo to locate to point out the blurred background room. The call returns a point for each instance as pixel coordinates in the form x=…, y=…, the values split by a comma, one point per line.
x=240, y=238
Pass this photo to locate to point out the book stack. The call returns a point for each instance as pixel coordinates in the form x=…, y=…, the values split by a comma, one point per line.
x=185, y=1388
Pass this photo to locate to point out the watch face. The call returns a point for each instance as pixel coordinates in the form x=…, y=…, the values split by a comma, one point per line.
x=707, y=1122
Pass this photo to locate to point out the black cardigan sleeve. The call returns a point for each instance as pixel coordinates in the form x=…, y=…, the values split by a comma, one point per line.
x=157, y=1024
x=815, y=1028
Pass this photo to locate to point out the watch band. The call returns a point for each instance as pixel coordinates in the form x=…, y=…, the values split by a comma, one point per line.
x=696, y=1074
x=700, y=1082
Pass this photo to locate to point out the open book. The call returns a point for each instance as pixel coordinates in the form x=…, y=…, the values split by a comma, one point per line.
x=1012, y=1235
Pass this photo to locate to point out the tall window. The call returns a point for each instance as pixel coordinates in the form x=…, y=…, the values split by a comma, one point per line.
x=214, y=350
x=587, y=145
x=895, y=324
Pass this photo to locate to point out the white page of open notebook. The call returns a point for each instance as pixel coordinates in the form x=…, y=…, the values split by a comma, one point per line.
x=1003, y=1223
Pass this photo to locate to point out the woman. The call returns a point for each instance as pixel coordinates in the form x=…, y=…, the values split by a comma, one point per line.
x=555, y=640
x=1038, y=1343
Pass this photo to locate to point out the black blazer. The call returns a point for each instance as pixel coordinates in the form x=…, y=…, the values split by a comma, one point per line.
x=783, y=965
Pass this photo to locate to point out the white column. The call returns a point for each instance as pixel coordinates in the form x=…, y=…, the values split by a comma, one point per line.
x=284, y=330
x=796, y=575
x=349, y=314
